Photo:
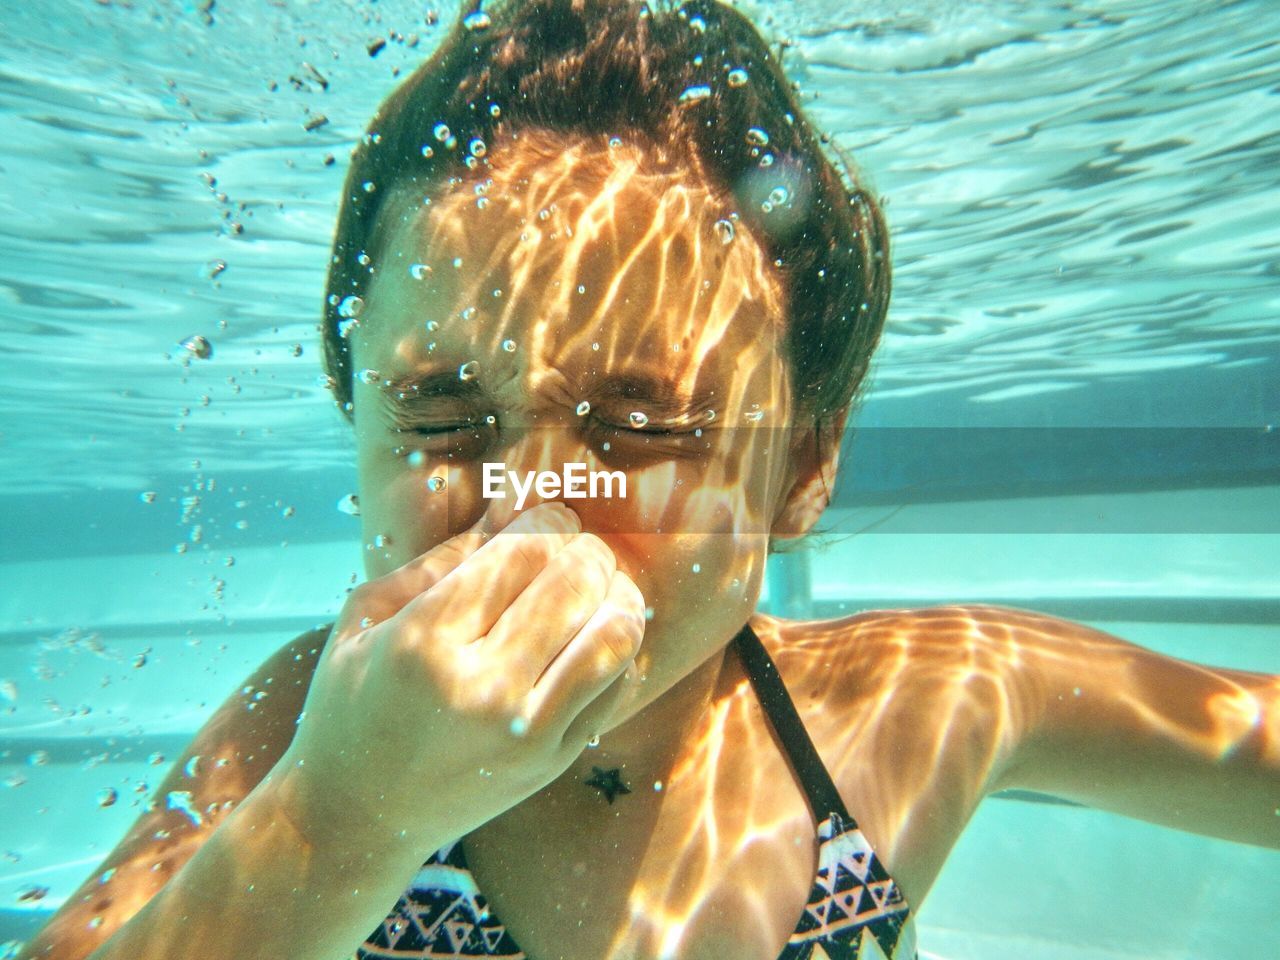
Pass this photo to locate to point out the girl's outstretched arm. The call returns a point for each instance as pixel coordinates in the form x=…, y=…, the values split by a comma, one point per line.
x=1118, y=727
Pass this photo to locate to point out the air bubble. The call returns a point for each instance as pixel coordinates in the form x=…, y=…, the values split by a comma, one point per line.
x=419, y=271
x=368, y=375
x=364, y=259
x=468, y=313
x=368, y=186
x=181, y=800
x=637, y=419
x=347, y=327
x=724, y=230
x=477, y=147
x=477, y=21
x=695, y=93
x=696, y=568
x=737, y=77
x=436, y=484
x=350, y=505
x=594, y=741
x=757, y=137
x=509, y=346
x=778, y=196
x=583, y=408
x=197, y=346
x=615, y=143
x=107, y=797
x=441, y=132
x=495, y=110
x=350, y=307
x=469, y=370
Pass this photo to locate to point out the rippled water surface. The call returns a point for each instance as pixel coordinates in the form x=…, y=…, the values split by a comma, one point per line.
x=1082, y=195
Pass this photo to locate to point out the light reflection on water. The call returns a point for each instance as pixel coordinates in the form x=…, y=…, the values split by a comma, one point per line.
x=1079, y=197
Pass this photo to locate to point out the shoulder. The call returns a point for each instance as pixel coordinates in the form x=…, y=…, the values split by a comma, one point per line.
x=260, y=716
x=908, y=710
x=944, y=665
x=897, y=640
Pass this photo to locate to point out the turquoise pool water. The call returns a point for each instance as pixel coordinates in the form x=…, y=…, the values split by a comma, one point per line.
x=1071, y=409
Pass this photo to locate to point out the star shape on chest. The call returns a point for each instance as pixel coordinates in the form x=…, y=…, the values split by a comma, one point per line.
x=608, y=782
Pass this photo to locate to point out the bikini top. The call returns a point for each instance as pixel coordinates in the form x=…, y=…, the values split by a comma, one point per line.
x=855, y=910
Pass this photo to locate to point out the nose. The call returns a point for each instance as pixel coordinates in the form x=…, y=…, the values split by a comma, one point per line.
x=529, y=461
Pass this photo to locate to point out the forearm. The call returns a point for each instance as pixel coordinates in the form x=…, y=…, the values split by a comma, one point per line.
x=260, y=887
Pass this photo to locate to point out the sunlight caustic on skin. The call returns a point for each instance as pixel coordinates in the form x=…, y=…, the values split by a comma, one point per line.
x=616, y=290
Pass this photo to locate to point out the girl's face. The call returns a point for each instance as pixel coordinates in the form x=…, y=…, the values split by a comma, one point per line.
x=570, y=306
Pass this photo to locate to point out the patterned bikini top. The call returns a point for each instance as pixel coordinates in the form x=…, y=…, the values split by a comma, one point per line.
x=855, y=909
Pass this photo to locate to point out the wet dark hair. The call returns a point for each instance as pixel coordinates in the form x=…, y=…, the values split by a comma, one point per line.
x=694, y=78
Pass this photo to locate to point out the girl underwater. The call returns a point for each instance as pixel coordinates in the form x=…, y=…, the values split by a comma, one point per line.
x=603, y=233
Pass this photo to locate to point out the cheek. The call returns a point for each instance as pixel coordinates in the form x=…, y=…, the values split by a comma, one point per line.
x=401, y=516
x=694, y=577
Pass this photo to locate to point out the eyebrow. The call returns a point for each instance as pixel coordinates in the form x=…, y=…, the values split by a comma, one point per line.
x=659, y=397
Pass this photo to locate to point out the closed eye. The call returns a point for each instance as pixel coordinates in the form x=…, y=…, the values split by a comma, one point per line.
x=434, y=429
x=598, y=424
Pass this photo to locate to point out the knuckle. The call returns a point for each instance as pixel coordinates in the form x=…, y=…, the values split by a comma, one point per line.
x=404, y=654
x=530, y=553
x=584, y=580
x=619, y=635
x=595, y=548
x=630, y=599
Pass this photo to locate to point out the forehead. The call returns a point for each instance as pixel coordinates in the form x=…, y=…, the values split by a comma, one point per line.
x=568, y=244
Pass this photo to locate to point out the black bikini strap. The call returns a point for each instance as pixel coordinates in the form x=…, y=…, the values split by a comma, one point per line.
x=824, y=799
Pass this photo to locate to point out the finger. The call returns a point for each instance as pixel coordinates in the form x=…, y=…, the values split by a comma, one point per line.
x=592, y=660
x=547, y=615
x=473, y=595
x=382, y=598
